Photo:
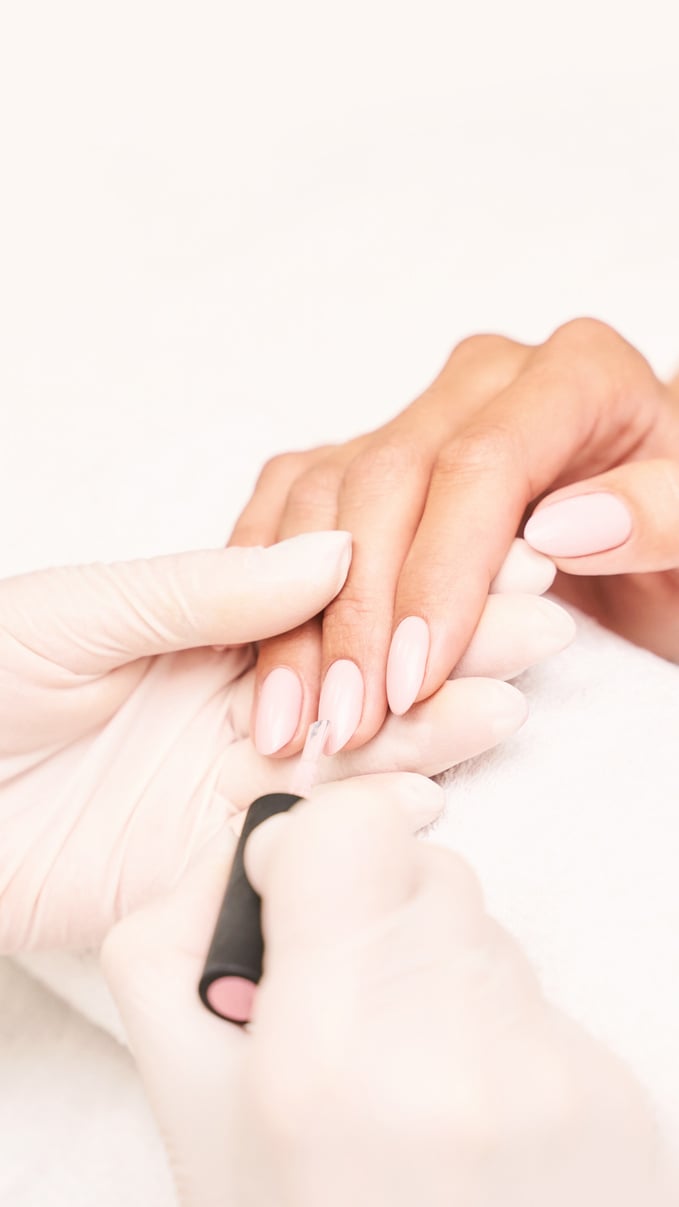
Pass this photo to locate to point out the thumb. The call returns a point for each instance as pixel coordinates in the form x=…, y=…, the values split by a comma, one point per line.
x=335, y=866
x=623, y=521
x=93, y=618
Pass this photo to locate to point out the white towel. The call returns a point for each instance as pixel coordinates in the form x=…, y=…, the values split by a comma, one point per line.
x=572, y=827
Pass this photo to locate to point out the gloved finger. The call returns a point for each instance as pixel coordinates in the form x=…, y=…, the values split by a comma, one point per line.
x=348, y=853
x=514, y=632
x=621, y=522
x=465, y=717
x=91, y=619
x=420, y=800
x=189, y=1060
x=524, y=571
x=351, y=917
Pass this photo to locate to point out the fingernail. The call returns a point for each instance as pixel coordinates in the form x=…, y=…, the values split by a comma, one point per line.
x=341, y=702
x=278, y=710
x=406, y=663
x=580, y=525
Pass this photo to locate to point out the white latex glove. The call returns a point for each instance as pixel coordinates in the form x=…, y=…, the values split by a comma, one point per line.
x=401, y=1051
x=124, y=736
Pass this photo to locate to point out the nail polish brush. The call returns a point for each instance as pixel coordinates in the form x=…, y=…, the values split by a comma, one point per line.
x=233, y=966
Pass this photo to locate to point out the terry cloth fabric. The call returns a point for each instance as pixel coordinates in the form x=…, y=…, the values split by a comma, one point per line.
x=572, y=828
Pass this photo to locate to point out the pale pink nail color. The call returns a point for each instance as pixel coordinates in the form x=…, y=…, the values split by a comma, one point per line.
x=341, y=703
x=278, y=710
x=406, y=663
x=232, y=997
x=580, y=525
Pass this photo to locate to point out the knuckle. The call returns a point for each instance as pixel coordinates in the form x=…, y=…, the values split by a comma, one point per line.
x=600, y=360
x=348, y=613
x=383, y=464
x=481, y=345
x=282, y=466
x=585, y=333
x=477, y=451
x=492, y=360
x=314, y=487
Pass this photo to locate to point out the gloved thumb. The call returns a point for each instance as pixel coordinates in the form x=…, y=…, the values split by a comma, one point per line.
x=93, y=618
x=621, y=522
x=337, y=865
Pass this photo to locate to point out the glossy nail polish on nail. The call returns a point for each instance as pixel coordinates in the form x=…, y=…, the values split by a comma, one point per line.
x=341, y=702
x=406, y=663
x=580, y=525
x=278, y=710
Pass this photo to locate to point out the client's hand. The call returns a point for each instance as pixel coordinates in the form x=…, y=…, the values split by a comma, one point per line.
x=401, y=1051
x=433, y=499
x=124, y=736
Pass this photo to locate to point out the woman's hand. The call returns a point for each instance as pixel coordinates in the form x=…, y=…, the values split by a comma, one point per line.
x=433, y=500
x=401, y=1050
x=124, y=736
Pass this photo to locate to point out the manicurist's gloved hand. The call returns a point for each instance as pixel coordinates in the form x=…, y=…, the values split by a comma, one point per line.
x=124, y=735
x=401, y=1051
x=433, y=499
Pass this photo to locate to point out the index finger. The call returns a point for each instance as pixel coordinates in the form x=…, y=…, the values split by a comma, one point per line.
x=581, y=398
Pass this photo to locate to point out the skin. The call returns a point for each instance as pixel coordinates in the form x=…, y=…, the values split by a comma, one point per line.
x=402, y=1051
x=124, y=736
x=496, y=1099
x=434, y=498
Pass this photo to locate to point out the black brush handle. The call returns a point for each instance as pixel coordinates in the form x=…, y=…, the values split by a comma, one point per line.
x=237, y=945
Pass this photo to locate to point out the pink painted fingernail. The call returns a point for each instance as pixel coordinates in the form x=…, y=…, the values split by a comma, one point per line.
x=278, y=710
x=406, y=663
x=341, y=703
x=580, y=525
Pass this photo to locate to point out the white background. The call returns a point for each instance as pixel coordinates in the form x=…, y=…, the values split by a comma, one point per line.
x=228, y=230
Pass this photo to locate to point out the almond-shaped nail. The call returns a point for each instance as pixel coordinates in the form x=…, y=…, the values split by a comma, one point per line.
x=341, y=702
x=580, y=525
x=278, y=710
x=406, y=663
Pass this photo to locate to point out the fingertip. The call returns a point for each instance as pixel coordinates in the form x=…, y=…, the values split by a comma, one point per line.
x=558, y=623
x=509, y=709
x=515, y=631
x=421, y=799
x=524, y=571
x=286, y=690
x=406, y=663
x=278, y=710
x=341, y=702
